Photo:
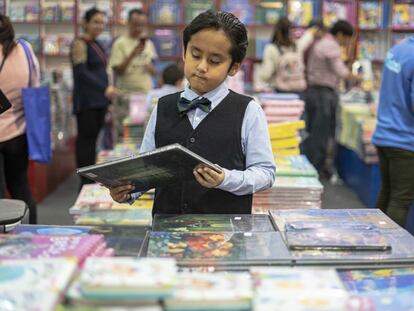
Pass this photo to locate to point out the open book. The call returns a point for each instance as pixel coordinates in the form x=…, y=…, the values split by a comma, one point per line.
x=148, y=170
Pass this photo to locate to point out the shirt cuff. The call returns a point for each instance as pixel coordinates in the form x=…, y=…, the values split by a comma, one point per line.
x=227, y=180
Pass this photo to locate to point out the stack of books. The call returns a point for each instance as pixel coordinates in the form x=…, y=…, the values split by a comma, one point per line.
x=197, y=291
x=34, y=284
x=119, y=151
x=295, y=166
x=281, y=107
x=289, y=193
x=285, y=137
x=124, y=281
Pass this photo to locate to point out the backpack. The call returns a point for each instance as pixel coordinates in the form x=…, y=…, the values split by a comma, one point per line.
x=290, y=71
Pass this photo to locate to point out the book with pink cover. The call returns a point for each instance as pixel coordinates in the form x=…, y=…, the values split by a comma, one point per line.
x=38, y=246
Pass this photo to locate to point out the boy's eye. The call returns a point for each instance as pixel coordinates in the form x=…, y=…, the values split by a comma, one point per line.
x=195, y=54
x=215, y=61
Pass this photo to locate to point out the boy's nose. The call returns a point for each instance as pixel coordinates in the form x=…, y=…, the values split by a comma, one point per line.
x=203, y=65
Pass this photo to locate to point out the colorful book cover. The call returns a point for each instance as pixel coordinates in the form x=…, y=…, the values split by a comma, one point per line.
x=67, y=11
x=32, y=11
x=165, y=12
x=366, y=281
x=370, y=14
x=298, y=289
x=401, y=15
x=334, y=10
x=384, y=300
x=37, y=246
x=242, y=9
x=219, y=248
x=17, y=11
x=50, y=12
x=212, y=223
x=295, y=166
x=128, y=278
x=209, y=291
x=331, y=238
x=124, y=7
x=51, y=230
x=167, y=43
x=195, y=7
x=269, y=11
x=300, y=12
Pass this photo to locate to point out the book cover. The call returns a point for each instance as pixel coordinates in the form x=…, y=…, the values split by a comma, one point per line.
x=51, y=230
x=334, y=10
x=209, y=291
x=150, y=169
x=212, y=223
x=195, y=7
x=67, y=11
x=128, y=278
x=219, y=248
x=300, y=12
x=268, y=11
x=50, y=12
x=336, y=239
x=401, y=15
x=167, y=42
x=242, y=9
x=165, y=12
x=370, y=14
x=124, y=7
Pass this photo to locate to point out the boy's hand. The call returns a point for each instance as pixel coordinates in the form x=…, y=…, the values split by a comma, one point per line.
x=207, y=177
x=121, y=194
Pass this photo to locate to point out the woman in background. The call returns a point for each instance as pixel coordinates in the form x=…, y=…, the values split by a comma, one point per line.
x=14, y=157
x=91, y=90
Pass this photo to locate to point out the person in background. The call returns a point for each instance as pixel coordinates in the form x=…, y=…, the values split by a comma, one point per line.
x=283, y=67
x=91, y=90
x=394, y=133
x=171, y=81
x=324, y=72
x=131, y=60
x=14, y=157
x=222, y=126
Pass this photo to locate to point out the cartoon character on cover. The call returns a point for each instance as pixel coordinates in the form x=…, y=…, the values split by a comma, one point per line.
x=227, y=128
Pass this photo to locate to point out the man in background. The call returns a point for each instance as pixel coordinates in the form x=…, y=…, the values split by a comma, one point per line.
x=131, y=60
x=324, y=72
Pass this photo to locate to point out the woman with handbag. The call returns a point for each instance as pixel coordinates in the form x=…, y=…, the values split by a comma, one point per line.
x=14, y=77
x=91, y=89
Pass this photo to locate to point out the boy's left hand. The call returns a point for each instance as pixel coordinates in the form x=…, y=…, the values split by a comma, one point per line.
x=207, y=177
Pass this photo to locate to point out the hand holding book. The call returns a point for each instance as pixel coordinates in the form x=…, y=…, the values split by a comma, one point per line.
x=208, y=177
x=121, y=194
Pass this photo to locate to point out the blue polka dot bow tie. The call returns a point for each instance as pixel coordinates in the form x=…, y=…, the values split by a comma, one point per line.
x=184, y=105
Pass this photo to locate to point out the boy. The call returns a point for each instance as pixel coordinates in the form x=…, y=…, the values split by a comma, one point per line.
x=224, y=127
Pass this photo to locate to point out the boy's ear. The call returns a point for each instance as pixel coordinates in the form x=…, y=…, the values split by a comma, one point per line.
x=234, y=69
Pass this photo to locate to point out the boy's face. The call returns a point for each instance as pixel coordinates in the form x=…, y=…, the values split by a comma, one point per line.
x=207, y=60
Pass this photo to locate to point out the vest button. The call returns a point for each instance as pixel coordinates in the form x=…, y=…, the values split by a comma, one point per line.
x=185, y=207
x=192, y=140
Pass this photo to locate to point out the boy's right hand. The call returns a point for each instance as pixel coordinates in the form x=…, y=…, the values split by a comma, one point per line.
x=121, y=194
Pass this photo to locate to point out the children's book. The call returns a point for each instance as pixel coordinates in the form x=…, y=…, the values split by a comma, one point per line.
x=219, y=248
x=212, y=223
x=50, y=12
x=370, y=14
x=150, y=169
x=331, y=238
x=38, y=246
x=301, y=12
x=195, y=7
x=67, y=11
x=165, y=12
x=334, y=10
x=242, y=9
x=402, y=15
x=128, y=278
x=268, y=11
x=124, y=7
x=51, y=230
x=295, y=166
x=167, y=42
x=211, y=291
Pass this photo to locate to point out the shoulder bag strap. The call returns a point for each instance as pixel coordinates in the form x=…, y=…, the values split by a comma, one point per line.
x=30, y=61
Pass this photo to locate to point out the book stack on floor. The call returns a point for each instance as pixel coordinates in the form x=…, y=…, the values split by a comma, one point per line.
x=34, y=284
x=133, y=133
x=95, y=206
x=285, y=137
x=51, y=246
x=295, y=166
x=124, y=281
x=281, y=107
x=289, y=192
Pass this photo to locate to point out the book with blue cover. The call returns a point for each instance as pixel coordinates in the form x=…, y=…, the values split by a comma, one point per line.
x=195, y=7
x=242, y=9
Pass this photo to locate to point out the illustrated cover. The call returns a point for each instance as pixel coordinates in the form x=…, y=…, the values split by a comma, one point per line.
x=134, y=217
x=34, y=285
x=51, y=230
x=124, y=7
x=128, y=278
x=220, y=248
x=208, y=291
x=334, y=10
x=195, y=7
x=148, y=170
x=38, y=246
x=366, y=281
x=295, y=166
x=50, y=12
x=300, y=12
x=242, y=9
x=212, y=223
x=385, y=300
x=337, y=239
x=368, y=216
x=402, y=15
x=370, y=14
x=67, y=11
x=306, y=225
x=167, y=42
x=269, y=11
x=165, y=12
x=298, y=289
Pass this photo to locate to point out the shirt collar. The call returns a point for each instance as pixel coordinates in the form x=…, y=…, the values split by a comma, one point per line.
x=215, y=96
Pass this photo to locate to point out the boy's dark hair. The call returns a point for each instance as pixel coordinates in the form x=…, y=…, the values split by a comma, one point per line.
x=172, y=73
x=89, y=14
x=135, y=11
x=344, y=27
x=318, y=22
x=230, y=24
